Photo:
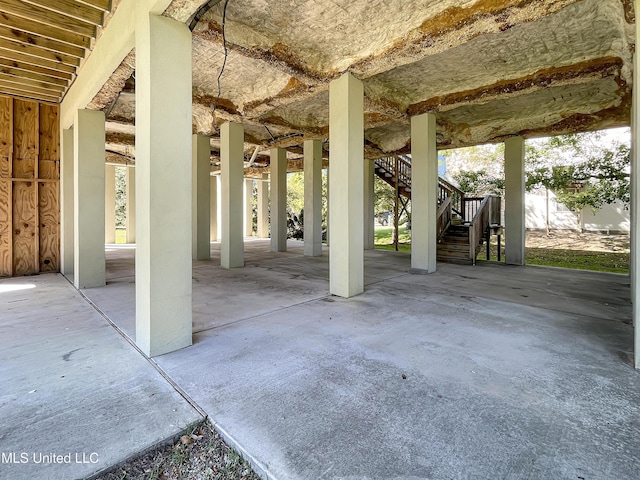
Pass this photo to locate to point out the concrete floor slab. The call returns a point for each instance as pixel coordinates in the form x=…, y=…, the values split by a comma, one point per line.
x=72, y=386
x=472, y=372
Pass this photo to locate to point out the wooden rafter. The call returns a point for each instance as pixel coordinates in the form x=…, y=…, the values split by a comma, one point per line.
x=31, y=69
x=40, y=41
x=22, y=92
x=27, y=82
x=48, y=17
x=71, y=9
x=25, y=25
x=40, y=62
x=25, y=74
x=39, y=52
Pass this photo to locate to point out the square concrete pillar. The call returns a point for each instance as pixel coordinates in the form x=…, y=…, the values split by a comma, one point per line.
x=369, y=205
x=346, y=186
x=634, y=266
x=110, y=204
x=278, y=200
x=424, y=193
x=213, y=207
x=131, y=204
x=163, y=184
x=313, y=198
x=514, y=190
x=248, y=207
x=263, y=206
x=66, y=202
x=88, y=205
x=200, y=197
x=231, y=175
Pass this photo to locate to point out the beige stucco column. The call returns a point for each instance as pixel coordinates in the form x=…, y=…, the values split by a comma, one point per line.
x=634, y=266
x=424, y=193
x=109, y=204
x=278, y=200
x=346, y=134
x=213, y=207
x=248, y=207
x=88, y=205
x=514, y=213
x=313, y=198
x=163, y=184
x=263, y=206
x=369, y=204
x=231, y=175
x=200, y=197
x=66, y=202
x=131, y=204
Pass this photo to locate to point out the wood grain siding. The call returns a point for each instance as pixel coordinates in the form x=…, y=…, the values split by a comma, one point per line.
x=29, y=187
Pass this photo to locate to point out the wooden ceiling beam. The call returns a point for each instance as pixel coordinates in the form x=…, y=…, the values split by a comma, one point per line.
x=39, y=62
x=18, y=73
x=31, y=92
x=54, y=74
x=43, y=42
x=27, y=82
x=37, y=14
x=99, y=4
x=39, y=52
x=18, y=23
x=69, y=8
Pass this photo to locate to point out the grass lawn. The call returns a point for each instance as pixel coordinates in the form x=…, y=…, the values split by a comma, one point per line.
x=613, y=262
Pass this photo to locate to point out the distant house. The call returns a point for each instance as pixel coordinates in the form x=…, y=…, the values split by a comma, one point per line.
x=543, y=211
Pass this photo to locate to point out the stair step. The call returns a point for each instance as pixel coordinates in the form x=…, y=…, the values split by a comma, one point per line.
x=455, y=260
x=452, y=248
x=450, y=239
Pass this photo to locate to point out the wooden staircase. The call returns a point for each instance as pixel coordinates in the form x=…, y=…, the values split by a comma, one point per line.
x=463, y=223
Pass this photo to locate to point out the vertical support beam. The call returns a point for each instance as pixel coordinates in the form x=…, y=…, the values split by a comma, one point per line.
x=131, y=204
x=88, y=205
x=635, y=205
x=424, y=193
x=163, y=184
x=248, y=207
x=200, y=197
x=213, y=207
x=278, y=200
x=109, y=204
x=514, y=219
x=231, y=173
x=66, y=202
x=369, y=204
x=263, y=206
x=313, y=198
x=346, y=132
x=328, y=219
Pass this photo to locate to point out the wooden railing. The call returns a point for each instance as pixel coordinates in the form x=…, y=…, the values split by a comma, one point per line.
x=396, y=166
x=445, y=189
x=486, y=214
x=443, y=217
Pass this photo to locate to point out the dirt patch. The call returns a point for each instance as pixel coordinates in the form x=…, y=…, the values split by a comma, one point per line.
x=199, y=454
x=572, y=240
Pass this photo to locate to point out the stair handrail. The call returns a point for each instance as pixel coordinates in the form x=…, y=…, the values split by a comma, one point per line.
x=479, y=224
x=445, y=189
x=443, y=217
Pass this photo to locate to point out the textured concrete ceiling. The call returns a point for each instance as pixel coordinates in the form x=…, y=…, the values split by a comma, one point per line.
x=488, y=69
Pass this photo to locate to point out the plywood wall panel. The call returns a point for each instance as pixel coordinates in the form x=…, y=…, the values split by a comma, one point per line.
x=6, y=269
x=25, y=228
x=25, y=138
x=5, y=167
x=6, y=127
x=49, y=226
x=49, y=145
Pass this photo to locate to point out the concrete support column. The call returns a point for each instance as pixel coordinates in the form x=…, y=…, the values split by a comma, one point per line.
x=88, y=205
x=313, y=198
x=263, y=206
x=109, y=204
x=131, y=204
x=213, y=207
x=369, y=205
x=248, y=207
x=163, y=184
x=424, y=193
x=278, y=200
x=200, y=197
x=346, y=133
x=514, y=219
x=231, y=174
x=634, y=266
x=66, y=202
